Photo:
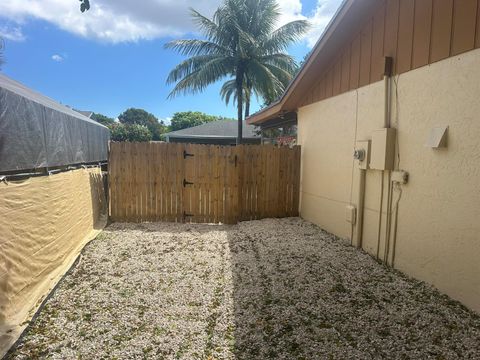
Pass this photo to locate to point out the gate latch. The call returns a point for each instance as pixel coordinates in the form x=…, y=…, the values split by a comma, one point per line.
x=185, y=183
x=185, y=154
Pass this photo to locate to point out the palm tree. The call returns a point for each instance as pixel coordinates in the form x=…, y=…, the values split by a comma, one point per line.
x=241, y=42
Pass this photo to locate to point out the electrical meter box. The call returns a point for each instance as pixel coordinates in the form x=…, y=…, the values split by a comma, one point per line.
x=382, y=156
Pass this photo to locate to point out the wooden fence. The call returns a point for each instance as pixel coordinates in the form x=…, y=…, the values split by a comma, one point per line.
x=202, y=183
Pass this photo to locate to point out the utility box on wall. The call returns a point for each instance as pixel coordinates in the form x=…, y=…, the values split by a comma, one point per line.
x=362, y=154
x=382, y=156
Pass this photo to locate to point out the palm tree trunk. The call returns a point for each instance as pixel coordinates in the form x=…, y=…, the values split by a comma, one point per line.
x=248, y=93
x=247, y=105
x=239, y=81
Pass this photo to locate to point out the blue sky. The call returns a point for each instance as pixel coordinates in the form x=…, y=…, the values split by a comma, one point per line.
x=112, y=57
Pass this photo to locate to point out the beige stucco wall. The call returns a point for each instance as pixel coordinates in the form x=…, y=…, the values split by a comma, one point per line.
x=438, y=236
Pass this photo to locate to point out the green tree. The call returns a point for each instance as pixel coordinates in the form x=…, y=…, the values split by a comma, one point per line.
x=186, y=119
x=142, y=117
x=131, y=132
x=241, y=43
x=102, y=119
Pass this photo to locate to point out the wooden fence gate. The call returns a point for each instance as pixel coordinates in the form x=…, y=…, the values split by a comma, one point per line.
x=202, y=183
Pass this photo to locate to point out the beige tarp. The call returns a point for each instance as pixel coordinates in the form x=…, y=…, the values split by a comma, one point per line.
x=44, y=224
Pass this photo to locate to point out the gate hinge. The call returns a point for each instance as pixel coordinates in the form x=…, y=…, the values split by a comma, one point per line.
x=185, y=183
x=185, y=154
x=185, y=215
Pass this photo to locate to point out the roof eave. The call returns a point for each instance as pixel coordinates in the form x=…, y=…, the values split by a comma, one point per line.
x=282, y=104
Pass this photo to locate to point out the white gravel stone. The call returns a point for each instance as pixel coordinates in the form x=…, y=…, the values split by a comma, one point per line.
x=269, y=289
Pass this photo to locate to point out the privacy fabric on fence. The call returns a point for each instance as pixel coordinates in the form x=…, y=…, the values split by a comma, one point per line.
x=37, y=132
x=44, y=223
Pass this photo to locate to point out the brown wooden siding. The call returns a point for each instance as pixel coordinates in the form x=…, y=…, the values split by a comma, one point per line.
x=414, y=32
x=421, y=35
x=378, y=35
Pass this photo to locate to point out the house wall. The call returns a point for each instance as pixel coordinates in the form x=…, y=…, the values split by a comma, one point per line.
x=44, y=223
x=414, y=32
x=438, y=227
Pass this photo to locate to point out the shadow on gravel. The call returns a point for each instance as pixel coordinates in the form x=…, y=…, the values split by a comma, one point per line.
x=301, y=293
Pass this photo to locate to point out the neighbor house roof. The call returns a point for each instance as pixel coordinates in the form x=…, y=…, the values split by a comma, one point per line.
x=215, y=129
x=347, y=20
x=85, y=113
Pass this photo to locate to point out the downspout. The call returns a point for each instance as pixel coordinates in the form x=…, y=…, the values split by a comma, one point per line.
x=399, y=187
x=387, y=123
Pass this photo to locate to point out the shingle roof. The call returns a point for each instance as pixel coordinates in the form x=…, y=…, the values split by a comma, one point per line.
x=85, y=113
x=215, y=129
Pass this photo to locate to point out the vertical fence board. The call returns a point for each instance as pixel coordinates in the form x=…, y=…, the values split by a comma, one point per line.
x=132, y=201
x=180, y=175
x=112, y=184
x=170, y=175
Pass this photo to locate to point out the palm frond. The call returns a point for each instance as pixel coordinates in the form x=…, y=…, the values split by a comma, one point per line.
x=196, y=47
x=263, y=17
x=229, y=89
x=208, y=27
x=282, y=75
x=189, y=66
x=208, y=74
x=283, y=61
x=284, y=36
x=265, y=81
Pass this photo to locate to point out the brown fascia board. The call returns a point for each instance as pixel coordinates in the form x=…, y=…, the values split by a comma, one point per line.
x=347, y=21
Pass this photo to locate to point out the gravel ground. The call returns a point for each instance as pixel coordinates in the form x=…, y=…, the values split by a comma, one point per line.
x=270, y=289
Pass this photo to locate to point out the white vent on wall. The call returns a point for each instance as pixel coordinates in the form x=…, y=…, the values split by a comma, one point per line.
x=437, y=138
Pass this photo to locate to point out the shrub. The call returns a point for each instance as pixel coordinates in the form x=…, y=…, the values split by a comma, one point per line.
x=135, y=132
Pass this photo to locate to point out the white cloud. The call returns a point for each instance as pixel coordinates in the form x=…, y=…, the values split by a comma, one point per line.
x=291, y=10
x=57, y=58
x=320, y=18
x=12, y=33
x=117, y=21
x=111, y=20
